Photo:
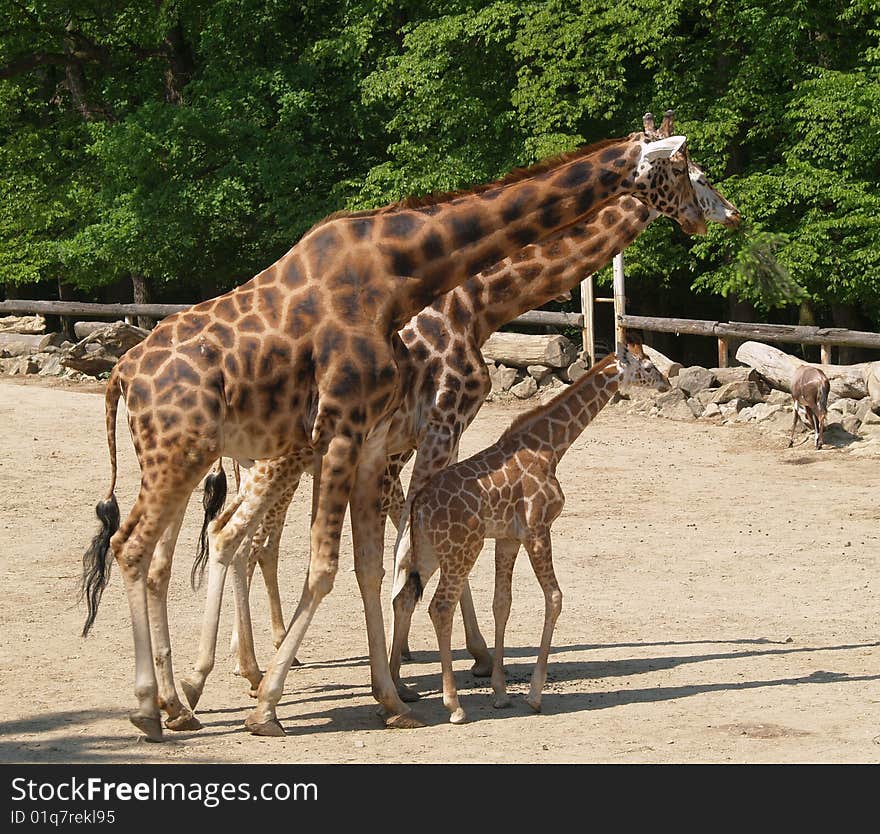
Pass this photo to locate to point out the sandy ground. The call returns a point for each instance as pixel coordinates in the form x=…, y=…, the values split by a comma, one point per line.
x=720, y=606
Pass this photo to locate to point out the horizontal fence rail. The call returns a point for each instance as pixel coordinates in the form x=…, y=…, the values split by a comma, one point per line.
x=751, y=330
x=718, y=329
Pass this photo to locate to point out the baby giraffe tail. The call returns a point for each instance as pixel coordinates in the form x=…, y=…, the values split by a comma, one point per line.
x=213, y=499
x=414, y=582
x=96, y=566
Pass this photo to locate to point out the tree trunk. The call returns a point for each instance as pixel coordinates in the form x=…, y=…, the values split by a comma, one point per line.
x=142, y=296
x=779, y=367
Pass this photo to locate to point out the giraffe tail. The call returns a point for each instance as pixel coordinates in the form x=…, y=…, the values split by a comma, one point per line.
x=96, y=566
x=414, y=582
x=213, y=499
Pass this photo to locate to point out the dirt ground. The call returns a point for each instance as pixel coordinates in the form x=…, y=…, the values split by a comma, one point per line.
x=720, y=605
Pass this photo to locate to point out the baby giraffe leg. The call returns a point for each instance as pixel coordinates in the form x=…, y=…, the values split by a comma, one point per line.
x=505, y=558
x=541, y=556
x=474, y=641
x=441, y=610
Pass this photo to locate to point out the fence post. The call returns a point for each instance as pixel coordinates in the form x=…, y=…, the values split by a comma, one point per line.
x=722, y=352
x=825, y=353
x=619, y=303
x=589, y=332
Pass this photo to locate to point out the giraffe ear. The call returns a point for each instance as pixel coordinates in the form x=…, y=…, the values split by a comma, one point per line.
x=662, y=148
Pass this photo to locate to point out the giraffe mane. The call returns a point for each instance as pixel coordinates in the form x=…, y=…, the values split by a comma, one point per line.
x=528, y=416
x=437, y=197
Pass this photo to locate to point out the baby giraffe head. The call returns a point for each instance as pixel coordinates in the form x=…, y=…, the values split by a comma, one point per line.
x=637, y=369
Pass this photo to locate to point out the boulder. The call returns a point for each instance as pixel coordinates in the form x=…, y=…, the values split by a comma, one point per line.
x=705, y=397
x=777, y=397
x=23, y=365
x=576, y=369
x=82, y=329
x=502, y=377
x=764, y=411
x=747, y=390
x=538, y=372
x=845, y=405
x=100, y=351
x=525, y=388
x=23, y=324
x=694, y=379
x=695, y=406
x=711, y=410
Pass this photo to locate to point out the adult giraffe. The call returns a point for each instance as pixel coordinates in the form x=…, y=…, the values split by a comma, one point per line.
x=447, y=384
x=305, y=356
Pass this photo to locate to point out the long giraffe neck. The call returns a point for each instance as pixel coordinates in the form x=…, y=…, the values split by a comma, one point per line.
x=541, y=272
x=555, y=426
x=431, y=249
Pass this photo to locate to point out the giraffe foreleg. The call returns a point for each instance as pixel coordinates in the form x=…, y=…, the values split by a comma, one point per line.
x=330, y=496
x=541, y=555
x=505, y=558
x=179, y=717
x=367, y=534
x=225, y=537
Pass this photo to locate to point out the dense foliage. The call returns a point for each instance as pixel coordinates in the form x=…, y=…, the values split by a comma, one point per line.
x=191, y=143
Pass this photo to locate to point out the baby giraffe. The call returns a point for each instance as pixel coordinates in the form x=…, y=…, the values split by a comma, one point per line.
x=507, y=492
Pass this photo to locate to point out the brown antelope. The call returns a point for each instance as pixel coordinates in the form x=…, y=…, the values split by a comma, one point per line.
x=809, y=390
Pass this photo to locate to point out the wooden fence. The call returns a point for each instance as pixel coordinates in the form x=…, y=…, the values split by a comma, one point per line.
x=721, y=330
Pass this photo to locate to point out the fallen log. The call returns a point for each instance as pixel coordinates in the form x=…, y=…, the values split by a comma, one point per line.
x=779, y=367
x=663, y=363
x=519, y=350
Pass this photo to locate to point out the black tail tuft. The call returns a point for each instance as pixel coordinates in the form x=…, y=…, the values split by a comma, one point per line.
x=96, y=565
x=213, y=500
x=416, y=581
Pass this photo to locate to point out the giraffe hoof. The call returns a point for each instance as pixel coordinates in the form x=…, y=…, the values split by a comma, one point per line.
x=502, y=703
x=149, y=725
x=405, y=721
x=534, y=703
x=482, y=668
x=270, y=728
x=407, y=694
x=458, y=717
x=192, y=692
x=185, y=721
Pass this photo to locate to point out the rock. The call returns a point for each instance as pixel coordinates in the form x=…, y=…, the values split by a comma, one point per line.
x=54, y=340
x=50, y=364
x=777, y=397
x=872, y=383
x=673, y=404
x=705, y=397
x=851, y=423
x=82, y=329
x=746, y=390
x=695, y=406
x=538, y=372
x=23, y=324
x=525, y=388
x=18, y=344
x=669, y=398
x=100, y=351
x=745, y=415
x=576, y=369
x=502, y=378
x=712, y=410
x=732, y=407
x=845, y=405
x=694, y=379
x=869, y=418
x=23, y=365
x=864, y=408
x=736, y=374
x=553, y=383
x=764, y=411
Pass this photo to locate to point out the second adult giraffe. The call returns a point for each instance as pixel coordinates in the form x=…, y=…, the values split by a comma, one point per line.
x=305, y=356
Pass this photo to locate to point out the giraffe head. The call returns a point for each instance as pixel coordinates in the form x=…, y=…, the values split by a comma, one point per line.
x=662, y=177
x=637, y=369
x=712, y=203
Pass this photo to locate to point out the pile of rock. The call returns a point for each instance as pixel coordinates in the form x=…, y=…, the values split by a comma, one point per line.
x=523, y=366
x=25, y=347
x=743, y=395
